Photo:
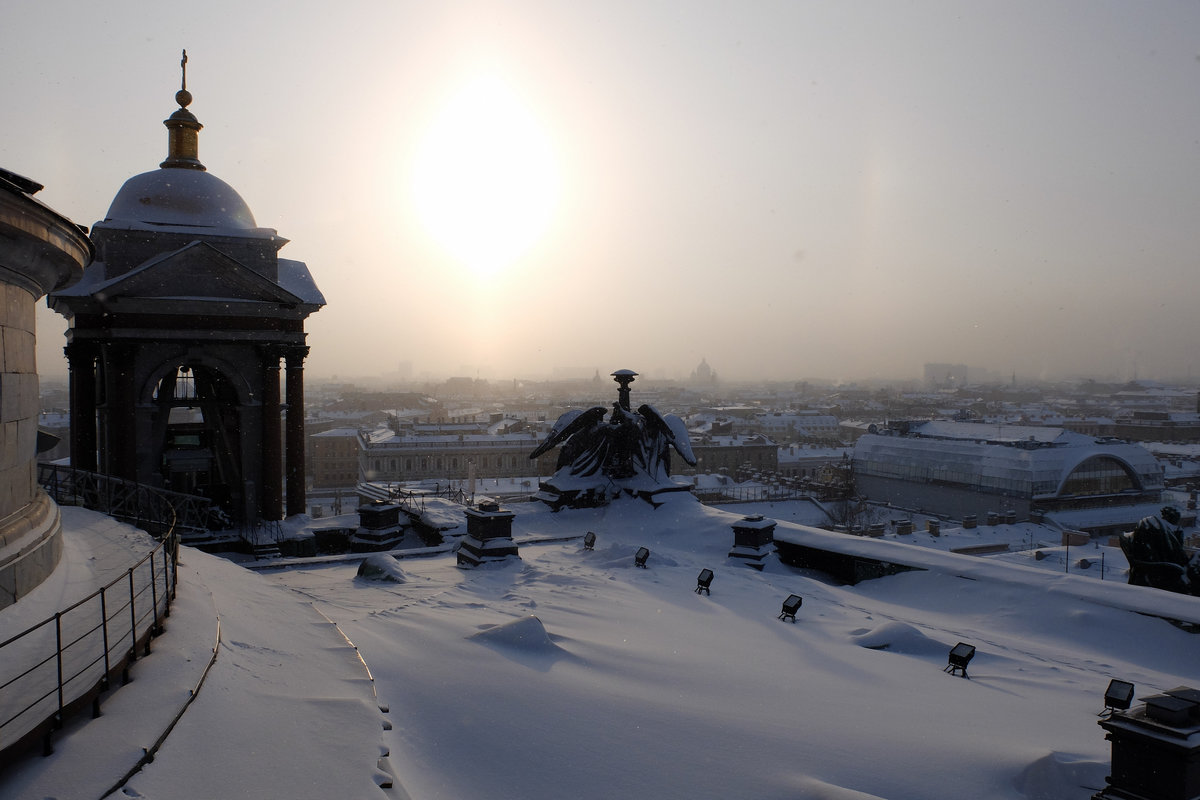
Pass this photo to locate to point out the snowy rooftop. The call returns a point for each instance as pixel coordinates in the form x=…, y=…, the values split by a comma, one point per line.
x=571, y=673
x=334, y=433
x=388, y=438
x=1000, y=434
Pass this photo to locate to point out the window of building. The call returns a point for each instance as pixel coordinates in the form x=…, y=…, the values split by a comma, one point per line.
x=1098, y=475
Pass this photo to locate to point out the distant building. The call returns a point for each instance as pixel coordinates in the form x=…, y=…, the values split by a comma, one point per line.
x=334, y=463
x=945, y=376
x=797, y=426
x=703, y=376
x=729, y=453
x=1088, y=426
x=1157, y=426
x=799, y=461
x=385, y=455
x=960, y=468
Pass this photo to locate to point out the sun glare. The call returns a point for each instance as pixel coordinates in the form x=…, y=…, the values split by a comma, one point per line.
x=485, y=179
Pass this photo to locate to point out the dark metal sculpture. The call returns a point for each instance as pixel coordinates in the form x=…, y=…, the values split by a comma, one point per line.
x=600, y=459
x=1154, y=550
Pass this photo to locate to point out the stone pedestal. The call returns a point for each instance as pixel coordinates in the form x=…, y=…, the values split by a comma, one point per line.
x=381, y=526
x=753, y=540
x=489, y=536
x=1155, y=749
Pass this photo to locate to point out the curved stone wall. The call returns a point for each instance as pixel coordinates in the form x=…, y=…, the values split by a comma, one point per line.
x=30, y=547
x=40, y=251
x=19, y=405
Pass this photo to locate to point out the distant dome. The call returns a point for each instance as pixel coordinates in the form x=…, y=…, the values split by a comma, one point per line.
x=172, y=196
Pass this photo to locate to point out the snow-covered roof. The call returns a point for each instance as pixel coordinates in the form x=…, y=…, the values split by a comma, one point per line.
x=337, y=432
x=388, y=438
x=295, y=278
x=998, y=434
x=791, y=454
x=626, y=681
x=1084, y=518
x=736, y=440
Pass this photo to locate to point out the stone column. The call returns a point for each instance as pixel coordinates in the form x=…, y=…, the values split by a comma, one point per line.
x=294, y=445
x=81, y=360
x=121, y=416
x=272, y=462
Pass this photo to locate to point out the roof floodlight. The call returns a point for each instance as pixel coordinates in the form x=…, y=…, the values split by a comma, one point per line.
x=790, y=607
x=960, y=655
x=1117, y=697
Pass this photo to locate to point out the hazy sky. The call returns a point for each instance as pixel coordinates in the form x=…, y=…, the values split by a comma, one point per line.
x=792, y=189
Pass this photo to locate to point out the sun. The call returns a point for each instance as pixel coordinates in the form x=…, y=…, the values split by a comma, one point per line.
x=485, y=181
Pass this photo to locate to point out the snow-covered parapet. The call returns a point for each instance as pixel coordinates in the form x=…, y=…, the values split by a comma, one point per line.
x=627, y=453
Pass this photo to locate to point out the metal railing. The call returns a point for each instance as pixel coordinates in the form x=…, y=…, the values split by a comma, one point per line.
x=152, y=509
x=414, y=498
x=65, y=663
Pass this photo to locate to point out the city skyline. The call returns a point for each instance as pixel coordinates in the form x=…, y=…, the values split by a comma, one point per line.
x=788, y=191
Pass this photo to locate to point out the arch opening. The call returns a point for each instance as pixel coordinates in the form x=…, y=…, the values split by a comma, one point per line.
x=1100, y=475
x=198, y=434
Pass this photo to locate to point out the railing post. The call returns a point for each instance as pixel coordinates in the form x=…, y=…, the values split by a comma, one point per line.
x=132, y=620
x=58, y=718
x=174, y=561
x=104, y=636
x=157, y=629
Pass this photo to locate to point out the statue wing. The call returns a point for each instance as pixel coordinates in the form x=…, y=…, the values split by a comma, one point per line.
x=671, y=427
x=567, y=425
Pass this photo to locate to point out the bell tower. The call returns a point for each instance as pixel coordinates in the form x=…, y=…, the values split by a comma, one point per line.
x=181, y=335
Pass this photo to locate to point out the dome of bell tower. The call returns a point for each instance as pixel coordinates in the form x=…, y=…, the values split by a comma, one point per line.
x=182, y=197
x=181, y=192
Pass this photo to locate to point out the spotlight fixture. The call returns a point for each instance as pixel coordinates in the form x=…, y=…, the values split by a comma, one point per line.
x=704, y=581
x=1117, y=697
x=589, y=540
x=790, y=607
x=960, y=655
x=639, y=558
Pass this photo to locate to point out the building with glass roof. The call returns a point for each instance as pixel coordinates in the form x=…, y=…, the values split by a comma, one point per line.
x=963, y=468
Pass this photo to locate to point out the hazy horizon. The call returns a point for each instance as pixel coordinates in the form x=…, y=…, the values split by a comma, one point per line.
x=783, y=189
